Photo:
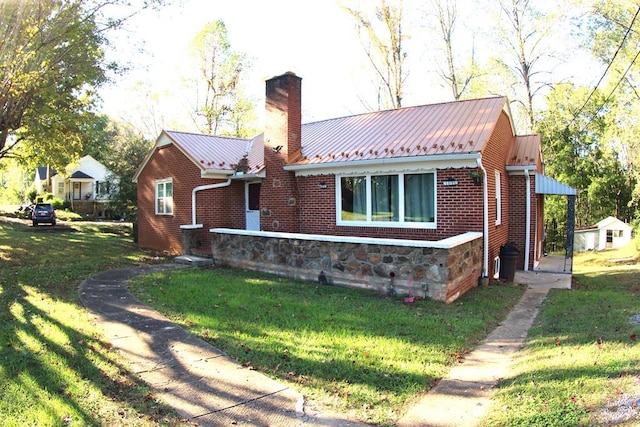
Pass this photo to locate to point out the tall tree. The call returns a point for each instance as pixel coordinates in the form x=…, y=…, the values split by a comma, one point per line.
x=458, y=78
x=218, y=83
x=575, y=130
x=382, y=36
x=613, y=34
x=524, y=35
x=129, y=148
x=51, y=62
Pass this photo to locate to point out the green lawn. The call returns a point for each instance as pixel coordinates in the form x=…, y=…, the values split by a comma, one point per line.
x=360, y=353
x=56, y=369
x=582, y=354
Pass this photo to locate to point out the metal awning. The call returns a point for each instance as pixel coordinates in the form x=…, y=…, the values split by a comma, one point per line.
x=546, y=185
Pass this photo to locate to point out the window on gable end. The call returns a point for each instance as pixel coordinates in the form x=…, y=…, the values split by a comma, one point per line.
x=164, y=196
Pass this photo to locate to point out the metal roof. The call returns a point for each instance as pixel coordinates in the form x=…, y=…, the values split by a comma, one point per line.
x=437, y=129
x=525, y=151
x=546, y=185
x=446, y=128
x=210, y=152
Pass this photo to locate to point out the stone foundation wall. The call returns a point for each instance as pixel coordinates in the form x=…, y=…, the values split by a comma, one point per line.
x=441, y=270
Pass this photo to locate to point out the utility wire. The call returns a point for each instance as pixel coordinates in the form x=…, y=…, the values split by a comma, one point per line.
x=624, y=39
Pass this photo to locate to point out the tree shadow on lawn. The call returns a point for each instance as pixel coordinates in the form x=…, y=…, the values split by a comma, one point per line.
x=49, y=360
x=433, y=333
x=57, y=373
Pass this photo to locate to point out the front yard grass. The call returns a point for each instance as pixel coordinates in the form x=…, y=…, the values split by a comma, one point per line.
x=56, y=369
x=358, y=352
x=581, y=364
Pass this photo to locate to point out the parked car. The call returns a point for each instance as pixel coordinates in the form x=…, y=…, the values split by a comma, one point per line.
x=43, y=213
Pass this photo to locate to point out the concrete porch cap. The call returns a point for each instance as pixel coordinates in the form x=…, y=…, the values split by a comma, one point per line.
x=447, y=243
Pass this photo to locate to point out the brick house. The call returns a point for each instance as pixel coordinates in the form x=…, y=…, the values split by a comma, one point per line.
x=417, y=200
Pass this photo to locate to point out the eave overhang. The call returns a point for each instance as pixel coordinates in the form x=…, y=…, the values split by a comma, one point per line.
x=462, y=160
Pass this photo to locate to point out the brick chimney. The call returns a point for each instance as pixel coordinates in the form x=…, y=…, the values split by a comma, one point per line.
x=282, y=145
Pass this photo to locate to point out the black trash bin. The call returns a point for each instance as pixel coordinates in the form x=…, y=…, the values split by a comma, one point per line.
x=508, y=257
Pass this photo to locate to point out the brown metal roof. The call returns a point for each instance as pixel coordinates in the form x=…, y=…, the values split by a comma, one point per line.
x=525, y=151
x=447, y=128
x=211, y=152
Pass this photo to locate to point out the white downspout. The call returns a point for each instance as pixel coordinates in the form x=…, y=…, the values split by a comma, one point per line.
x=200, y=188
x=527, y=242
x=485, y=196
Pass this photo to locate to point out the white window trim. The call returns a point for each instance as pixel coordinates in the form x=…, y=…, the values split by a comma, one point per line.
x=498, y=198
x=386, y=224
x=163, y=182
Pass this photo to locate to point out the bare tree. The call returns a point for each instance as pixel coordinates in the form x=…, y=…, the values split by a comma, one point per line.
x=524, y=41
x=458, y=79
x=382, y=37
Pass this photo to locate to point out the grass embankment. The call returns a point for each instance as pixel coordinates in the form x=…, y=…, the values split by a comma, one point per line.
x=55, y=367
x=358, y=352
x=581, y=364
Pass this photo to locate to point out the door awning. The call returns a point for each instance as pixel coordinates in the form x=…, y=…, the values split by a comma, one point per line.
x=546, y=185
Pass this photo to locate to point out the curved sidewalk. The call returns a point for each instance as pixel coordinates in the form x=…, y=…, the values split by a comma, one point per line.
x=204, y=385
x=199, y=381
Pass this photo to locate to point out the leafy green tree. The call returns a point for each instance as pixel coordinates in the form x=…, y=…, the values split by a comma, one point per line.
x=576, y=145
x=51, y=62
x=220, y=107
x=613, y=34
x=129, y=148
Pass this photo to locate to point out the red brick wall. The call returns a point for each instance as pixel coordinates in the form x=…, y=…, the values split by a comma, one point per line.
x=459, y=209
x=518, y=215
x=494, y=158
x=279, y=202
x=223, y=207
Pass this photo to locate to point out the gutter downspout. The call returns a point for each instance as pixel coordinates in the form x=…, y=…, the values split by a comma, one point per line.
x=485, y=231
x=200, y=188
x=527, y=233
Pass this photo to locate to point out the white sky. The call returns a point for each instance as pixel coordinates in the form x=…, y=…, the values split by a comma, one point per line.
x=315, y=39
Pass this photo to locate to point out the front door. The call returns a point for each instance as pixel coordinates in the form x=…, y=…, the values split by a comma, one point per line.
x=253, y=206
x=77, y=190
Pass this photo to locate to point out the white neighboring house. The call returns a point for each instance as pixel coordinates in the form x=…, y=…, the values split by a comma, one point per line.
x=83, y=185
x=610, y=233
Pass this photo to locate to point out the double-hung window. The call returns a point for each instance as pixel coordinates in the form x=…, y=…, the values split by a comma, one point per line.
x=164, y=197
x=395, y=200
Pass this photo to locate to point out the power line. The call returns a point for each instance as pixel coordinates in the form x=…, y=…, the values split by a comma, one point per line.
x=624, y=39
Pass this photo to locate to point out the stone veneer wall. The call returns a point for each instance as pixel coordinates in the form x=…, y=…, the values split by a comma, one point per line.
x=441, y=270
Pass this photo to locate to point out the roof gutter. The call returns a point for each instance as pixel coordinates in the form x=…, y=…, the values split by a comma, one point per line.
x=202, y=188
x=474, y=156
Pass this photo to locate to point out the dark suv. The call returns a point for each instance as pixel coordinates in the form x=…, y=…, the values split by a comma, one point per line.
x=43, y=213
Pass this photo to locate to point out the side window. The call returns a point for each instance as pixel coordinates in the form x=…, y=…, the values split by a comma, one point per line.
x=164, y=197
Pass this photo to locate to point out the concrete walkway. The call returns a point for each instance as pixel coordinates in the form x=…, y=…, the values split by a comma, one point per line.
x=199, y=381
x=206, y=386
x=463, y=397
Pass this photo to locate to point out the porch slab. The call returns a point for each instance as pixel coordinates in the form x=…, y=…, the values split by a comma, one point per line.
x=193, y=260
